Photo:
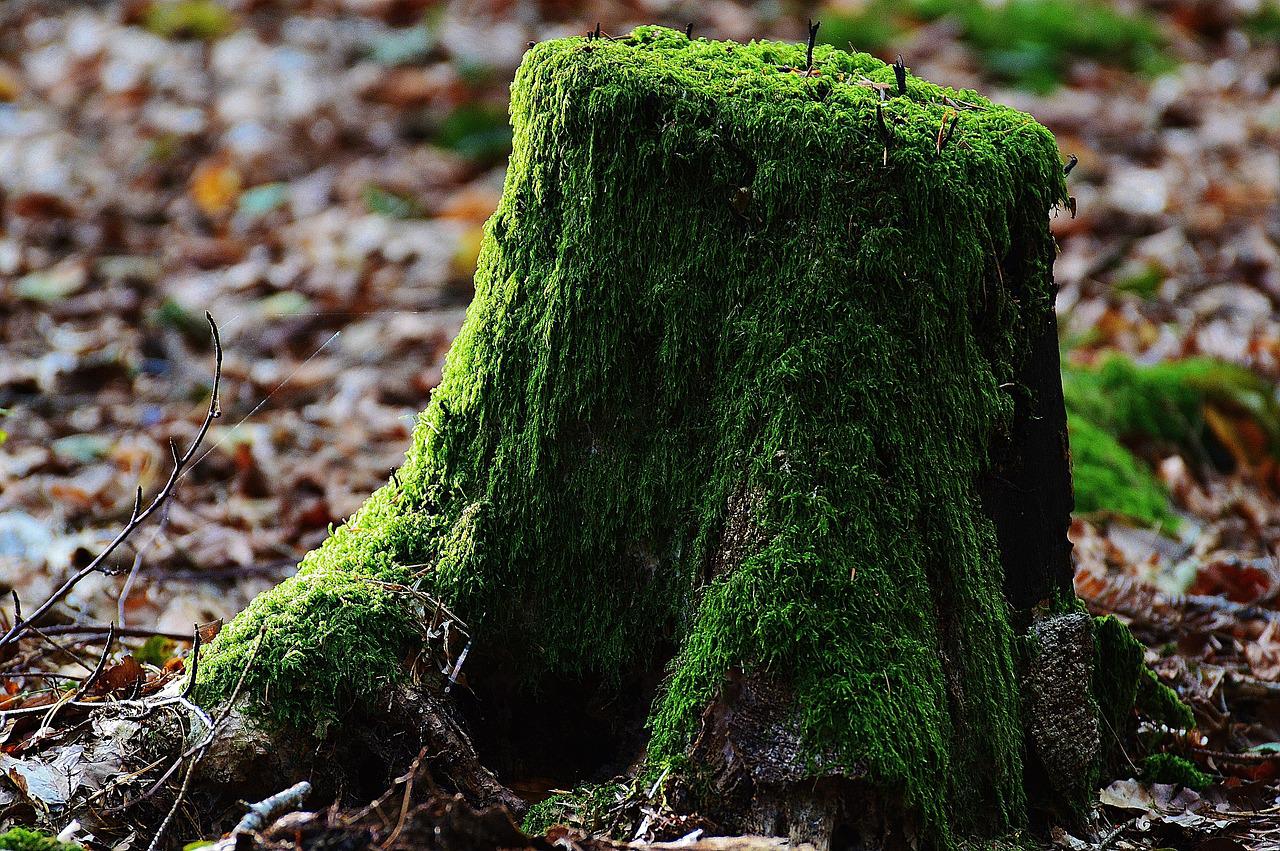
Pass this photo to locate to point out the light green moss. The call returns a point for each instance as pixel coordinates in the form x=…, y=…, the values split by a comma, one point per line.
x=1107, y=477
x=1120, y=401
x=1166, y=401
x=21, y=839
x=706, y=307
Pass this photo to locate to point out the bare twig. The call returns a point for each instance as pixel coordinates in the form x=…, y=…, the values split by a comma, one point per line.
x=47, y=675
x=139, y=514
x=813, y=37
x=137, y=563
x=173, y=811
x=102, y=666
x=410, y=776
x=195, y=663
x=946, y=131
x=94, y=631
x=263, y=812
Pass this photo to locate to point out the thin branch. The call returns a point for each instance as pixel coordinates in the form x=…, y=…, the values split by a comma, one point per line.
x=195, y=663
x=173, y=811
x=813, y=37
x=262, y=813
x=102, y=666
x=91, y=631
x=48, y=675
x=139, y=514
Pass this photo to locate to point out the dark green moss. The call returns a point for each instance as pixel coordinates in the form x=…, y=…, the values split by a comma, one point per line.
x=1123, y=682
x=1174, y=770
x=718, y=302
x=1160, y=703
x=21, y=839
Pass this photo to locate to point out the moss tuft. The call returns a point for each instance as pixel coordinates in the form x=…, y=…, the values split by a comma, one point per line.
x=1123, y=682
x=1174, y=770
x=1107, y=477
x=21, y=839
x=735, y=362
x=330, y=639
x=1119, y=402
x=1166, y=402
x=586, y=805
x=1160, y=703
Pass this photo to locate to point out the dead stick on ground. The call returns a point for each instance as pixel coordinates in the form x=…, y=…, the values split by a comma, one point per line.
x=261, y=813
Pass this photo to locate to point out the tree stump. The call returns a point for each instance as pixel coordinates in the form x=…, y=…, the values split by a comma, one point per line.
x=752, y=442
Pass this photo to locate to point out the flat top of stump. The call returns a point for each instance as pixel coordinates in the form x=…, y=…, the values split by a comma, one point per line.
x=768, y=88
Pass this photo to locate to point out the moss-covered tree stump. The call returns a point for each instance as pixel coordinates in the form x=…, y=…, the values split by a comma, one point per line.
x=753, y=441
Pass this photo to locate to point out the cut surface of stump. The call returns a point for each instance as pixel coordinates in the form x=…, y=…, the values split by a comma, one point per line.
x=758, y=396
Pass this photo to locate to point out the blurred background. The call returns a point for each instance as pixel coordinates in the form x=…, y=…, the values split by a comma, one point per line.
x=316, y=174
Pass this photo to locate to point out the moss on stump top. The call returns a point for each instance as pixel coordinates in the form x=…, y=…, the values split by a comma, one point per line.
x=763, y=90
x=743, y=340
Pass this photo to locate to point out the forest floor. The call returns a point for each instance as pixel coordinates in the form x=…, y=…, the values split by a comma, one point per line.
x=316, y=174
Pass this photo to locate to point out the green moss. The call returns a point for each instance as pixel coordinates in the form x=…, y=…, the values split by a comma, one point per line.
x=718, y=302
x=1167, y=768
x=1117, y=669
x=1014, y=841
x=1161, y=703
x=21, y=839
x=587, y=805
x=1033, y=42
x=1119, y=401
x=1123, y=682
x=331, y=638
x=1028, y=42
x=1109, y=478
x=1166, y=401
